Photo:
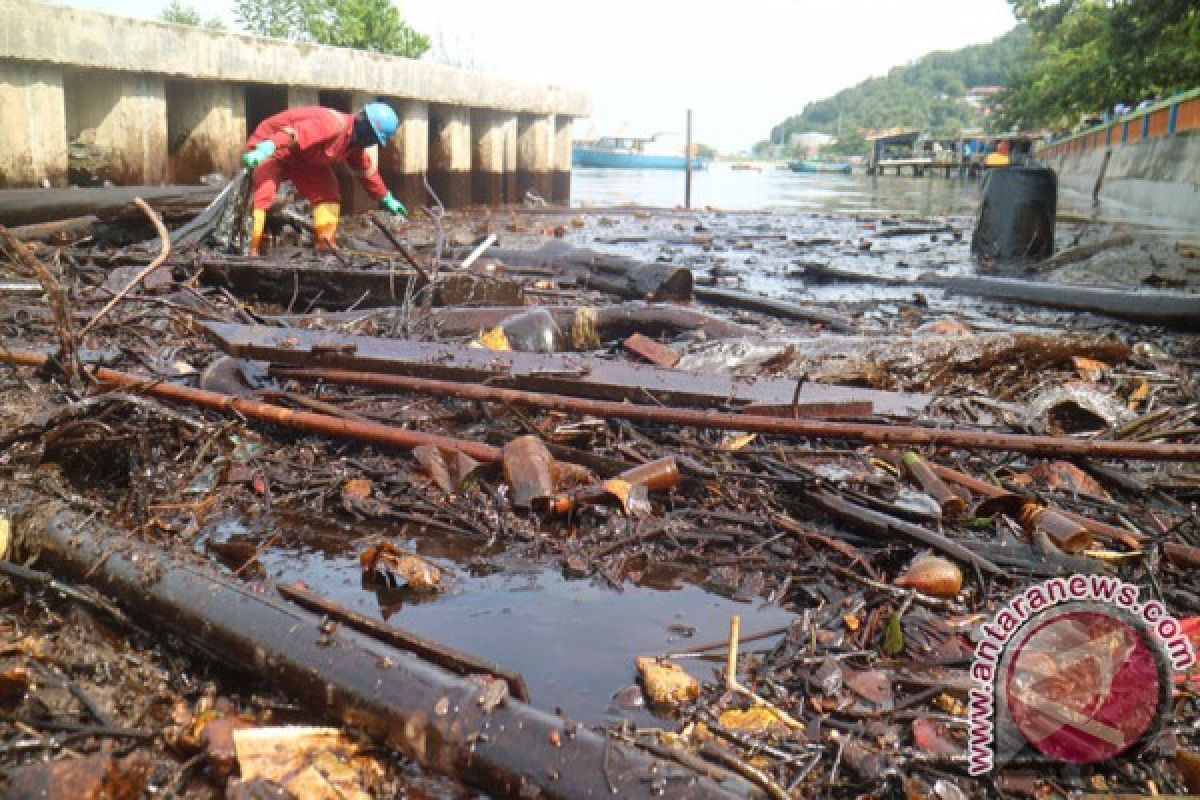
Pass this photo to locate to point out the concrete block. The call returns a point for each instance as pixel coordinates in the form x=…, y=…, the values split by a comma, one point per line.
x=206, y=129
x=450, y=154
x=33, y=147
x=119, y=120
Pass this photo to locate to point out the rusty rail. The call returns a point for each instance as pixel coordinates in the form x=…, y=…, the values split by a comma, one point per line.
x=874, y=433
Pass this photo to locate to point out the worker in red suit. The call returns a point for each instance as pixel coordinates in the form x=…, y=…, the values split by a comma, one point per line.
x=302, y=145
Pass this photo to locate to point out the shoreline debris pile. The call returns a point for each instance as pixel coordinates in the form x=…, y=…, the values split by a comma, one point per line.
x=604, y=394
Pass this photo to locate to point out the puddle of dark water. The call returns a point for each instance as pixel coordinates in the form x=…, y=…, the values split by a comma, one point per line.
x=573, y=640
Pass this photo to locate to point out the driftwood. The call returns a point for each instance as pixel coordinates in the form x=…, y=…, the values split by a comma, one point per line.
x=735, y=298
x=441, y=720
x=615, y=274
x=1171, y=309
x=28, y=206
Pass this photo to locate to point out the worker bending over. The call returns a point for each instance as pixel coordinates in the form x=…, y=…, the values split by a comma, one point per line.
x=302, y=145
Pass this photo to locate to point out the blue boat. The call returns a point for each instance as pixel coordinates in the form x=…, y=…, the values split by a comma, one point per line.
x=819, y=166
x=627, y=152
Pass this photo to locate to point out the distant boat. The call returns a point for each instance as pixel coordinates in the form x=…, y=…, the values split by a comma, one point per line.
x=818, y=166
x=742, y=165
x=627, y=152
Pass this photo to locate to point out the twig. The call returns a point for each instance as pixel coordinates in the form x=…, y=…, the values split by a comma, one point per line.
x=731, y=681
x=478, y=251
x=163, y=254
x=57, y=297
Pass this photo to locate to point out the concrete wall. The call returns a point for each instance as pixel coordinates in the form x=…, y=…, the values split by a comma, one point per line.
x=30, y=31
x=1154, y=177
x=33, y=142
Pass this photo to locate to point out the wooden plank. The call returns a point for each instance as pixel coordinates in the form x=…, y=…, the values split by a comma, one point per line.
x=569, y=374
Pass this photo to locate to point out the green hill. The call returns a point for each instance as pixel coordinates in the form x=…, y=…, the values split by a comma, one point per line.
x=928, y=93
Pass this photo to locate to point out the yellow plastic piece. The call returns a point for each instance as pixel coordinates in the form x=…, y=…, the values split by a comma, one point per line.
x=256, y=234
x=495, y=339
x=325, y=223
x=996, y=160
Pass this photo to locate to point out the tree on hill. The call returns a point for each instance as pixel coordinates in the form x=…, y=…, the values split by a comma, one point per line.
x=1087, y=56
x=374, y=25
x=180, y=14
x=928, y=94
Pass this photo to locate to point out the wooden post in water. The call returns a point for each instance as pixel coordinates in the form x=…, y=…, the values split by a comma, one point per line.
x=687, y=183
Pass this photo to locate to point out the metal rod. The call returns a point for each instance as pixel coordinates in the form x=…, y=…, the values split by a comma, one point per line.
x=687, y=185
x=372, y=432
x=874, y=433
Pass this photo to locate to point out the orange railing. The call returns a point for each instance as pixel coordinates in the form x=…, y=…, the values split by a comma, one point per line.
x=1176, y=115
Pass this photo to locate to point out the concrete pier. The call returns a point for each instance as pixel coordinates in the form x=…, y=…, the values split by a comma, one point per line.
x=135, y=101
x=206, y=129
x=450, y=154
x=33, y=148
x=535, y=152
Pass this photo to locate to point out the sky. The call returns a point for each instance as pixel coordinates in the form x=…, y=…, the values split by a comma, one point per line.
x=743, y=66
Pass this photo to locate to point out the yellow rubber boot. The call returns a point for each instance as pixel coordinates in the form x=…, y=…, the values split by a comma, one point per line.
x=256, y=233
x=325, y=225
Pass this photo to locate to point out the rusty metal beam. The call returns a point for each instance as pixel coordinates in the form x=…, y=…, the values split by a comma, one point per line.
x=567, y=374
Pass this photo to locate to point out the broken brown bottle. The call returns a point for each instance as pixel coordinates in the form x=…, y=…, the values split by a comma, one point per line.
x=948, y=500
x=630, y=488
x=529, y=470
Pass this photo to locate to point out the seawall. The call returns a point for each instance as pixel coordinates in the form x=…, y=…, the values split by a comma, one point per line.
x=1148, y=162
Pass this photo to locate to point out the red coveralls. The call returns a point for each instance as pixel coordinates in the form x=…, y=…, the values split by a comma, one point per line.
x=309, y=141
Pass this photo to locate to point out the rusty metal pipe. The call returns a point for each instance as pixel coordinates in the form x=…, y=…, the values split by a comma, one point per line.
x=873, y=433
x=371, y=432
x=431, y=715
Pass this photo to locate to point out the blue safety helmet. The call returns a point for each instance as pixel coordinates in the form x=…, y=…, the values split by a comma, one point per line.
x=384, y=121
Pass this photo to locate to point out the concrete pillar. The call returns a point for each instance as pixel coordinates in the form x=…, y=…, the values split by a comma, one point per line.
x=535, y=149
x=487, y=157
x=298, y=96
x=450, y=154
x=119, y=121
x=506, y=122
x=33, y=145
x=405, y=161
x=561, y=178
x=206, y=129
